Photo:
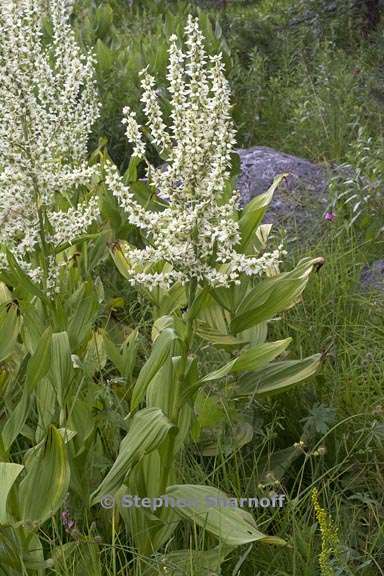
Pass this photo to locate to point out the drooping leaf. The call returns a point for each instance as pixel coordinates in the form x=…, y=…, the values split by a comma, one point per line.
x=39, y=363
x=43, y=489
x=61, y=368
x=9, y=331
x=16, y=420
x=83, y=311
x=220, y=372
x=148, y=430
x=8, y=474
x=254, y=212
x=160, y=352
x=259, y=356
x=5, y=294
x=22, y=280
x=272, y=295
x=231, y=525
x=278, y=376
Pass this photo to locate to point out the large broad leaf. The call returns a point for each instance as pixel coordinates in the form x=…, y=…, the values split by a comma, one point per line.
x=161, y=390
x=43, y=489
x=95, y=355
x=11, y=552
x=254, y=358
x=215, y=337
x=46, y=405
x=273, y=295
x=82, y=420
x=23, y=281
x=161, y=350
x=260, y=356
x=148, y=430
x=5, y=294
x=9, y=331
x=34, y=324
x=232, y=525
x=173, y=299
x=224, y=440
x=220, y=372
x=254, y=212
x=129, y=354
x=227, y=298
x=8, y=474
x=84, y=309
x=16, y=420
x=121, y=262
x=39, y=363
x=61, y=369
x=278, y=376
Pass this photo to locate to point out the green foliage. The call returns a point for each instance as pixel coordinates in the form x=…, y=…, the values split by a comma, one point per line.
x=356, y=193
x=105, y=390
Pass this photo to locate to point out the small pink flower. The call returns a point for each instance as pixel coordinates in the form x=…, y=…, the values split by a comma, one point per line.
x=331, y=216
x=68, y=523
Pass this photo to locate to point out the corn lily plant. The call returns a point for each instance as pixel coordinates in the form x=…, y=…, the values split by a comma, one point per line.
x=204, y=266
x=72, y=437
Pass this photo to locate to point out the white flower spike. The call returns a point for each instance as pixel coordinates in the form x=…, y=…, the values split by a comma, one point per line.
x=47, y=109
x=197, y=234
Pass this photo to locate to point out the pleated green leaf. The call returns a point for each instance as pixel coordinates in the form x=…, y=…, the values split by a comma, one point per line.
x=8, y=474
x=254, y=212
x=148, y=430
x=278, y=376
x=39, y=363
x=9, y=331
x=160, y=352
x=231, y=525
x=272, y=295
x=221, y=372
x=61, y=365
x=23, y=281
x=16, y=420
x=260, y=356
x=43, y=489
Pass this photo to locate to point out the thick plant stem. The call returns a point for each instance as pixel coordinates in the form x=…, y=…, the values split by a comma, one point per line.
x=44, y=246
x=181, y=368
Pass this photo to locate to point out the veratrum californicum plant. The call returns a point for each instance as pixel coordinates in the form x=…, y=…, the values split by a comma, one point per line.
x=197, y=234
x=47, y=109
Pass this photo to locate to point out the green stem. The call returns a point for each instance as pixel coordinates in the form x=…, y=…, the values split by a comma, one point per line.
x=173, y=416
x=44, y=245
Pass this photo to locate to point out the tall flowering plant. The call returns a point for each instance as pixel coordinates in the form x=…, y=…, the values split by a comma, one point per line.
x=196, y=237
x=204, y=265
x=48, y=106
x=48, y=345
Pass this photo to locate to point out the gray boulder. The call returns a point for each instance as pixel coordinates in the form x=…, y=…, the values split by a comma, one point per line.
x=372, y=276
x=300, y=200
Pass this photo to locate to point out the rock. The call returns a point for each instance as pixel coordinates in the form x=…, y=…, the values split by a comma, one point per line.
x=301, y=200
x=372, y=276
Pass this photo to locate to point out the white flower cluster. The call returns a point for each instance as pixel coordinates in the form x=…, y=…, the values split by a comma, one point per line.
x=197, y=234
x=48, y=105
